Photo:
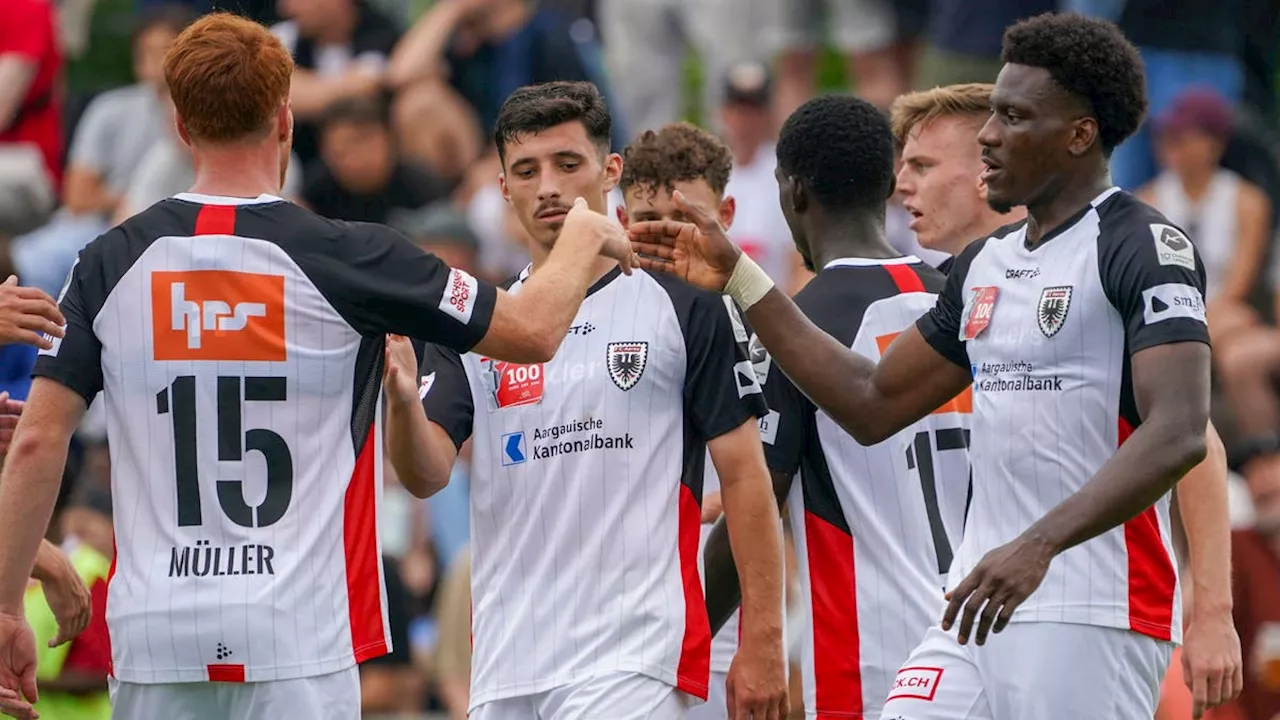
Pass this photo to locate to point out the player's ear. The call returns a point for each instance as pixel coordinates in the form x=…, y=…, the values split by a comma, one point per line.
x=621, y=212
x=284, y=122
x=502, y=183
x=798, y=193
x=982, y=189
x=182, y=129
x=1083, y=136
x=728, y=209
x=612, y=171
x=893, y=187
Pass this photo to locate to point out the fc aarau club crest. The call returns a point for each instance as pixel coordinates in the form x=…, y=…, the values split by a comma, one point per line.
x=626, y=363
x=1051, y=313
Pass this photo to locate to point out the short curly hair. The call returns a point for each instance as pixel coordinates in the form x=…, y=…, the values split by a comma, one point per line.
x=1092, y=60
x=842, y=146
x=675, y=153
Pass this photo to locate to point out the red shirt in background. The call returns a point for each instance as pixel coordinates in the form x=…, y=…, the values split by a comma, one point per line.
x=91, y=650
x=29, y=30
x=1257, y=611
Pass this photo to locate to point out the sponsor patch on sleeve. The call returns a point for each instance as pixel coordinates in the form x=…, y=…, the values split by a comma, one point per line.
x=425, y=386
x=920, y=683
x=1172, y=300
x=744, y=374
x=769, y=427
x=1172, y=247
x=459, y=297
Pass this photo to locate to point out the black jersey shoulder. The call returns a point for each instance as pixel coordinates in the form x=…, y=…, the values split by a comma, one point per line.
x=836, y=299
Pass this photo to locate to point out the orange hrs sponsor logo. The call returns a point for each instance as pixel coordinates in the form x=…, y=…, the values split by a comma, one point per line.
x=217, y=315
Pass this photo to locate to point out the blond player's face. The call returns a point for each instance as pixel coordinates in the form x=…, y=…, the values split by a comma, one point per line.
x=938, y=182
x=546, y=171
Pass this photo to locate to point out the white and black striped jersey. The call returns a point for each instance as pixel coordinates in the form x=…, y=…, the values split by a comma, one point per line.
x=238, y=345
x=1049, y=333
x=874, y=526
x=586, y=487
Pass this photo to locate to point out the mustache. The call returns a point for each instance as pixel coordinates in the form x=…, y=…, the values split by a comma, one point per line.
x=550, y=208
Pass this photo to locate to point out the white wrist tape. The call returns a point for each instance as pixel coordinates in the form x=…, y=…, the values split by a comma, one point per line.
x=748, y=283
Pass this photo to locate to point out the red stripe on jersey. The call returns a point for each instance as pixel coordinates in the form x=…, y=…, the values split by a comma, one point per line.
x=1152, y=578
x=905, y=278
x=225, y=673
x=693, y=674
x=111, y=573
x=360, y=544
x=837, y=668
x=216, y=220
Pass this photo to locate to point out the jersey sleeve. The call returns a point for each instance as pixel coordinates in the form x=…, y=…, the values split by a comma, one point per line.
x=445, y=392
x=720, y=387
x=941, y=325
x=1155, y=279
x=782, y=429
x=75, y=360
x=381, y=282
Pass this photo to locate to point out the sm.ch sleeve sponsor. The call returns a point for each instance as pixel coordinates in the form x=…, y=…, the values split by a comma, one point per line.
x=720, y=387
x=75, y=360
x=943, y=326
x=783, y=427
x=1154, y=278
x=383, y=283
x=445, y=392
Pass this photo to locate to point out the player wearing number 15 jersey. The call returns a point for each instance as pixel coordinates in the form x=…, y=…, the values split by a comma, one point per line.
x=874, y=525
x=238, y=344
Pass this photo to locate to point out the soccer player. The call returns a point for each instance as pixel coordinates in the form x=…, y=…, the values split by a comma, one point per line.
x=1082, y=332
x=875, y=526
x=587, y=470
x=687, y=158
x=238, y=343
x=941, y=186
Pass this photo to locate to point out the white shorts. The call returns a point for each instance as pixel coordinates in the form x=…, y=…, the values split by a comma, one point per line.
x=325, y=697
x=717, y=705
x=1032, y=670
x=615, y=696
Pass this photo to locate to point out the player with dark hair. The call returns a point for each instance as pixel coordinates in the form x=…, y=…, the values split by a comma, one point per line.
x=1082, y=332
x=237, y=341
x=587, y=469
x=875, y=525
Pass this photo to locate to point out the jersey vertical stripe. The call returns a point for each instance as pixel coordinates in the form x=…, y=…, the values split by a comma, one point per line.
x=1152, y=577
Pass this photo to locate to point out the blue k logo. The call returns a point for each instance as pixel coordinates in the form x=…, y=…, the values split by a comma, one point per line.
x=513, y=448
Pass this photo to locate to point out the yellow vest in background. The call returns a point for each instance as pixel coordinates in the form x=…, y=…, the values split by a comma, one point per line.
x=92, y=567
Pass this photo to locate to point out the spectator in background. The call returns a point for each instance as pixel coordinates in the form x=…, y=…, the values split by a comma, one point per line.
x=1184, y=43
x=649, y=41
x=965, y=36
x=30, y=115
x=73, y=676
x=751, y=132
x=865, y=32
x=340, y=48
x=361, y=177
x=1226, y=217
x=484, y=50
x=1256, y=565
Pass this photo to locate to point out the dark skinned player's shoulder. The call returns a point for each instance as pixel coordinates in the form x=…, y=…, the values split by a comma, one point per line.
x=1123, y=214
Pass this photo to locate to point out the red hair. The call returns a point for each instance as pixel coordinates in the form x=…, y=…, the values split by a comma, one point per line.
x=228, y=76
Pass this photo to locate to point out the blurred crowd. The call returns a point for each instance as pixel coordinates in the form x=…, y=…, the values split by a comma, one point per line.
x=395, y=103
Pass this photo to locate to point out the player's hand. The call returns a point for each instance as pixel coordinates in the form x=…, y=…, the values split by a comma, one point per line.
x=614, y=243
x=27, y=314
x=400, y=371
x=10, y=411
x=1212, y=665
x=699, y=252
x=69, y=600
x=17, y=667
x=756, y=686
x=712, y=507
x=1004, y=578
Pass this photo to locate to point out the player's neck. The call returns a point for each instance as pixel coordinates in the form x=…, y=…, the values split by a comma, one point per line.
x=849, y=236
x=991, y=221
x=236, y=172
x=1044, y=216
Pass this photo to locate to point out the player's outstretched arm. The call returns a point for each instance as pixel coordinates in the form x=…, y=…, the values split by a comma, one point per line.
x=757, y=681
x=1211, y=658
x=1171, y=389
x=419, y=450
x=870, y=402
x=529, y=327
x=28, y=488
